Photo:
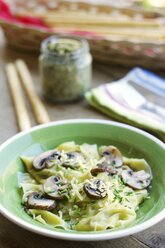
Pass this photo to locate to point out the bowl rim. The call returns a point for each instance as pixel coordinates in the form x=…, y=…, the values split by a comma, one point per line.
x=83, y=236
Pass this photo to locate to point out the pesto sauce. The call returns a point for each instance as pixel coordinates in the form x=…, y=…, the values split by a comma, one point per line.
x=65, y=70
x=64, y=46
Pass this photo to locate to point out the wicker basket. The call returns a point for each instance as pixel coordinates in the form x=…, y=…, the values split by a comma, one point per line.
x=109, y=49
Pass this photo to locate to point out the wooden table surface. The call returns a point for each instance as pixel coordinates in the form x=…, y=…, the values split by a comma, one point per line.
x=13, y=236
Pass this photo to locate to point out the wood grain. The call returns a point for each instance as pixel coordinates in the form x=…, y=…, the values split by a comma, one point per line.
x=153, y=237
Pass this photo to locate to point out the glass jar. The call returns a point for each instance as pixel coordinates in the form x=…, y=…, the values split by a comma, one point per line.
x=65, y=68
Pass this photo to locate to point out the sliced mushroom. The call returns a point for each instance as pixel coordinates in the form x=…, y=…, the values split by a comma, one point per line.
x=46, y=159
x=112, y=156
x=73, y=160
x=136, y=180
x=95, y=171
x=56, y=187
x=38, y=201
x=95, y=189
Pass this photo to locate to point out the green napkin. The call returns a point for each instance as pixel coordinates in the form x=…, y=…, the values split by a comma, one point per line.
x=101, y=99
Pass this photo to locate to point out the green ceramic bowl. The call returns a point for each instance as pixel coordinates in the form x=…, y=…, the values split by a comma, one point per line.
x=132, y=142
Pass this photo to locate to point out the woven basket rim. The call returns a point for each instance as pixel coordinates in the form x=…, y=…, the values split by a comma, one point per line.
x=130, y=42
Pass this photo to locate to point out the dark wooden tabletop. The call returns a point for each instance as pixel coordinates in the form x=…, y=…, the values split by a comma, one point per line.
x=13, y=236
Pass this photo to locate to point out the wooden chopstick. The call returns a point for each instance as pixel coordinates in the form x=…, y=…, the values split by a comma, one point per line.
x=16, y=92
x=38, y=107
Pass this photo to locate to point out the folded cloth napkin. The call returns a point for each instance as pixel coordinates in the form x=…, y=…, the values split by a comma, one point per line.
x=137, y=99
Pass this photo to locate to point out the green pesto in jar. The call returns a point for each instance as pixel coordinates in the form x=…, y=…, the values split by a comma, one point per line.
x=65, y=68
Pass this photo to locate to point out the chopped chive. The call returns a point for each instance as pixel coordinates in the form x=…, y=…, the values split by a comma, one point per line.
x=128, y=193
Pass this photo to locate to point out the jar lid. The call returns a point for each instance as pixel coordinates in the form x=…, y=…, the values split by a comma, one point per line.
x=65, y=46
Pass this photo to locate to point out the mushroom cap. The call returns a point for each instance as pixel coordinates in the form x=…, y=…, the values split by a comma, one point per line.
x=95, y=189
x=112, y=155
x=101, y=168
x=73, y=160
x=97, y=170
x=56, y=187
x=136, y=180
x=46, y=159
x=38, y=201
